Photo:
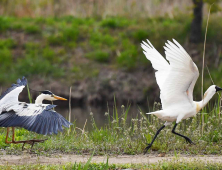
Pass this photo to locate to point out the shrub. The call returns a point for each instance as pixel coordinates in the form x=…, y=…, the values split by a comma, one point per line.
x=55, y=40
x=140, y=35
x=5, y=58
x=127, y=59
x=4, y=24
x=7, y=43
x=114, y=23
x=99, y=56
x=70, y=34
x=49, y=55
x=36, y=65
x=32, y=29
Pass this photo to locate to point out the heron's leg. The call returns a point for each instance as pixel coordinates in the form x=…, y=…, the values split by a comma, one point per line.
x=186, y=138
x=149, y=145
x=13, y=134
x=6, y=139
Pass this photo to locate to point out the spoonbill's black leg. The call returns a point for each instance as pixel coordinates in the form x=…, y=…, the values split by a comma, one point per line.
x=149, y=145
x=186, y=138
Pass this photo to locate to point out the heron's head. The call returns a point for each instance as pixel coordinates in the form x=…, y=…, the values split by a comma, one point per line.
x=48, y=95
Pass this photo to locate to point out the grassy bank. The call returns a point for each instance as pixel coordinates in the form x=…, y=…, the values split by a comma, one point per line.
x=119, y=137
x=79, y=48
x=71, y=49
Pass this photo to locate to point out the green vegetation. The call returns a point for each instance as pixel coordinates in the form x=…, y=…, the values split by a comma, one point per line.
x=79, y=48
x=120, y=137
x=165, y=165
x=99, y=56
x=50, y=47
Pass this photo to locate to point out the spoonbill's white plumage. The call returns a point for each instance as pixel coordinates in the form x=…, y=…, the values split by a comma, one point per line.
x=36, y=117
x=176, y=81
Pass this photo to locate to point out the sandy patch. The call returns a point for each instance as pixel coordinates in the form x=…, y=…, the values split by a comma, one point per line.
x=62, y=159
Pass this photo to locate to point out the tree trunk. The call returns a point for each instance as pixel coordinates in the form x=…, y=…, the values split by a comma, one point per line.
x=195, y=34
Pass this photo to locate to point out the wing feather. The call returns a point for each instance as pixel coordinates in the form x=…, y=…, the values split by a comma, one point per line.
x=158, y=62
x=177, y=79
x=182, y=75
x=46, y=122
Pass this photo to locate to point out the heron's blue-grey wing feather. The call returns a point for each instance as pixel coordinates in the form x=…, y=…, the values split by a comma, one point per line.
x=46, y=123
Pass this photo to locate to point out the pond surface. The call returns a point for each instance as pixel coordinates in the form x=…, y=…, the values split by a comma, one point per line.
x=81, y=114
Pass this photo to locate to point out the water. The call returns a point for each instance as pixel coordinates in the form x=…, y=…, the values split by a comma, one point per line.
x=82, y=114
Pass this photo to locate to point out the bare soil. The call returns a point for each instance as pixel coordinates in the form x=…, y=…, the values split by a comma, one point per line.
x=124, y=159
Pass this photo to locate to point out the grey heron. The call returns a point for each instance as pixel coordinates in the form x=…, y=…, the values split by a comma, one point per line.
x=36, y=117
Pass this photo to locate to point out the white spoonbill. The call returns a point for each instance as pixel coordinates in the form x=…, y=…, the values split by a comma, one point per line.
x=176, y=81
x=38, y=117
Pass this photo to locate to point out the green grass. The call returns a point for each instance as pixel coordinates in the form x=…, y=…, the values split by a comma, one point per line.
x=53, y=41
x=163, y=165
x=65, y=41
x=99, y=56
x=78, y=49
x=120, y=137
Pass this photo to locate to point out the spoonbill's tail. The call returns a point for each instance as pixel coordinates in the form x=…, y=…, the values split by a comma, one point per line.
x=158, y=113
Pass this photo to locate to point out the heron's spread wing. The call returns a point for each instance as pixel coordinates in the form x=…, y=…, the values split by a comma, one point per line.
x=179, y=78
x=10, y=96
x=37, y=118
x=158, y=62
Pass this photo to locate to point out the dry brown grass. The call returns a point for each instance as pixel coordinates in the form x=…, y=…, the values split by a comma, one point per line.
x=88, y=8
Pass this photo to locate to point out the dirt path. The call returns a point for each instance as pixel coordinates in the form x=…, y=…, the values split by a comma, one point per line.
x=62, y=159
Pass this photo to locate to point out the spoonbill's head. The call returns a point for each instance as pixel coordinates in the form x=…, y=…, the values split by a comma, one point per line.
x=48, y=95
x=211, y=91
x=218, y=88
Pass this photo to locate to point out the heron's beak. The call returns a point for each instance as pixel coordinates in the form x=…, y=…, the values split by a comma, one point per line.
x=59, y=98
x=218, y=88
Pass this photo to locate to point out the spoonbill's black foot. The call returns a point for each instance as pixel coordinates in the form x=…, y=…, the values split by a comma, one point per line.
x=147, y=148
x=32, y=142
x=188, y=140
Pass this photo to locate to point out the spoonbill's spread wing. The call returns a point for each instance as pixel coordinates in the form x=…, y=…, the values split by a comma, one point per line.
x=10, y=96
x=178, y=78
x=158, y=62
x=182, y=75
x=40, y=119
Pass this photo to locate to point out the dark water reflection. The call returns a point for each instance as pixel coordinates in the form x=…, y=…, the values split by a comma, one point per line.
x=81, y=114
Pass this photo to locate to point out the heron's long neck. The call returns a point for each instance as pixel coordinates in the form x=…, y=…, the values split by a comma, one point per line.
x=39, y=99
x=206, y=99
